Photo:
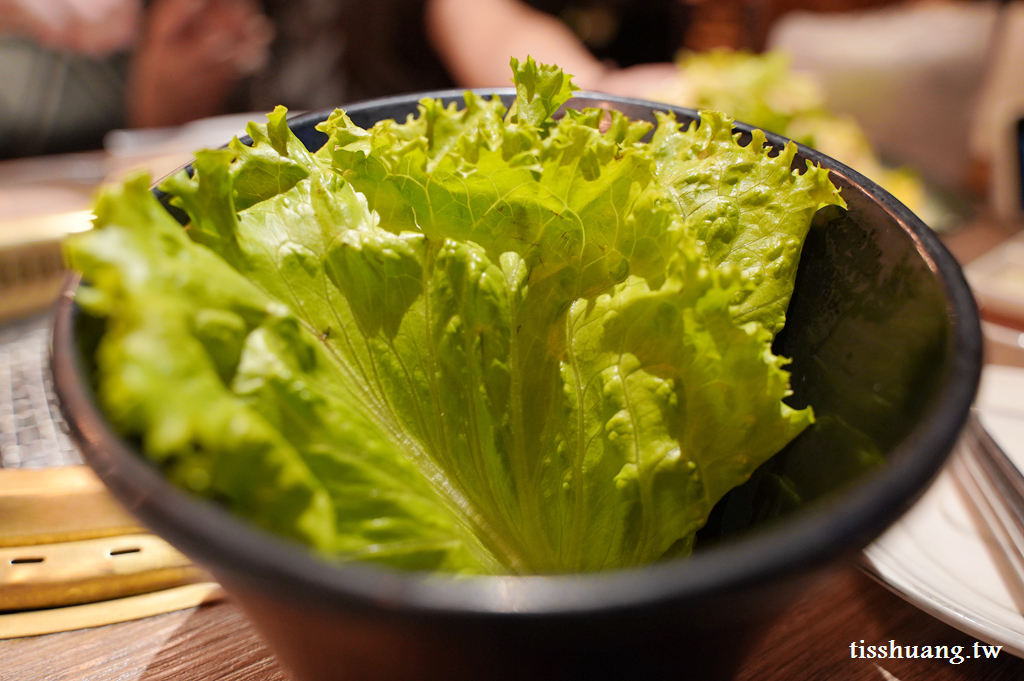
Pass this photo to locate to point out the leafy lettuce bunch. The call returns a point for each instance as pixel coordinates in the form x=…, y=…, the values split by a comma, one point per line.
x=477, y=341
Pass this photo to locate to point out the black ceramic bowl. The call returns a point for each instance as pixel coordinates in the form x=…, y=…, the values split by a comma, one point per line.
x=885, y=343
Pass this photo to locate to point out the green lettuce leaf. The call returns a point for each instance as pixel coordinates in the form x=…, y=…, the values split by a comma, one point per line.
x=476, y=341
x=236, y=400
x=540, y=90
x=750, y=209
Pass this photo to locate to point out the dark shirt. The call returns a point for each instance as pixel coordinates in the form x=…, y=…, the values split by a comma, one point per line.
x=329, y=52
x=623, y=32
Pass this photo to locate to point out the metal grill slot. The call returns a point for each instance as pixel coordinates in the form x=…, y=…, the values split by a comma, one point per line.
x=121, y=552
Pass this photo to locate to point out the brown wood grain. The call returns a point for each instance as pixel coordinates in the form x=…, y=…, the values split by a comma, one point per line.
x=205, y=643
x=810, y=642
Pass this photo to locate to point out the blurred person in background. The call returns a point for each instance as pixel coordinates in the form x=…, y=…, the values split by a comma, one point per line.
x=624, y=47
x=73, y=69
x=89, y=27
x=197, y=58
x=62, y=65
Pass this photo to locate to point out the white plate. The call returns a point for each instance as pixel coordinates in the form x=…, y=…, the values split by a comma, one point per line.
x=941, y=557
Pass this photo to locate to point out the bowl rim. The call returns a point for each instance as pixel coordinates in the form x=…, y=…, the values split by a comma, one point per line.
x=245, y=555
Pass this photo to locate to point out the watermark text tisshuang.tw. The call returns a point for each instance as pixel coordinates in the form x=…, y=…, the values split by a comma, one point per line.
x=892, y=650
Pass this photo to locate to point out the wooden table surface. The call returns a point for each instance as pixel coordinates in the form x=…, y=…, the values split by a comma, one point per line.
x=809, y=642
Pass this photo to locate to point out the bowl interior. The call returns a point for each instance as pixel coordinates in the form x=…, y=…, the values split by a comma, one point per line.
x=885, y=345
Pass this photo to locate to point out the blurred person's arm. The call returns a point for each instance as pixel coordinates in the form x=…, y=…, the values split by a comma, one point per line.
x=475, y=39
x=191, y=55
x=91, y=27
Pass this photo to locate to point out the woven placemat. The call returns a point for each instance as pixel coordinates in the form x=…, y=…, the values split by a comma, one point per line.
x=32, y=432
